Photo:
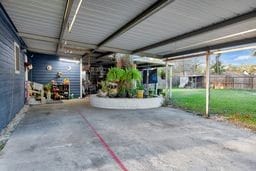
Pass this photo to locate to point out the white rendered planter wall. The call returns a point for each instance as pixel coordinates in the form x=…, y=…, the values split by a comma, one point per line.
x=125, y=103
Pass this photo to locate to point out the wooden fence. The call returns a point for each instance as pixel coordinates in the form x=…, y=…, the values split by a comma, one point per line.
x=232, y=82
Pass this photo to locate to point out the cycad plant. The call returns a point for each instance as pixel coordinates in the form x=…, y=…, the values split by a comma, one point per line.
x=115, y=74
x=124, y=78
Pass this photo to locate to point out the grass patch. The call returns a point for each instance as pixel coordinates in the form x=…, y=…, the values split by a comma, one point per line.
x=238, y=105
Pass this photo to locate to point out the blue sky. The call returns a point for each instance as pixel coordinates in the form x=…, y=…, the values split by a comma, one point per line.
x=238, y=58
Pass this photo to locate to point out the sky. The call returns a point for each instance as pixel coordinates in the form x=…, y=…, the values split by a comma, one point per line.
x=238, y=58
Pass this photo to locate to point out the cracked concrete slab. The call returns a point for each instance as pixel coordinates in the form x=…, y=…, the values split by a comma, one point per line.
x=55, y=137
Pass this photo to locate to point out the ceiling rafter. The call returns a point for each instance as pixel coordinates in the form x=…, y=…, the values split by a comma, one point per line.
x=158, y=5
x=64, y=24
x=213, y=47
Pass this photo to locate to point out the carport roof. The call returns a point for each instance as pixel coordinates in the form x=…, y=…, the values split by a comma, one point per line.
x=157, y=28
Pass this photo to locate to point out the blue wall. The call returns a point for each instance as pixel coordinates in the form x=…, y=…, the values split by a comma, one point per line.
x=40, y=74
x=11, y=84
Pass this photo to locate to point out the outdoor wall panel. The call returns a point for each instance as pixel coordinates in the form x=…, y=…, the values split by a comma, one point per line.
x=11, y=84
x=40, y=74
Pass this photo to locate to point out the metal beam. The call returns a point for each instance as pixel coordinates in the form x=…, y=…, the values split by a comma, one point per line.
x=213, y=47
x=38, y=37
x=208, y=28
x=186, y=56
x=64, y=24
x=51, y=52
x=104, y=54
x=141, y=66
x=80, y=44
x=138, y=19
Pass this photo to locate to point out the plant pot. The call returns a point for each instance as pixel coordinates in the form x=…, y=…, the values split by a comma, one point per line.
x=102, y=93
x=49, y=94
x=112, y=92
x=140, y=93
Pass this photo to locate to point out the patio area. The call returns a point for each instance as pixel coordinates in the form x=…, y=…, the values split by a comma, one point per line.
x=76, y=136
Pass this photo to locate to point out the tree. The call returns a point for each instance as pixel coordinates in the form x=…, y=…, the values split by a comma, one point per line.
x=248, y=69
x=217, y=67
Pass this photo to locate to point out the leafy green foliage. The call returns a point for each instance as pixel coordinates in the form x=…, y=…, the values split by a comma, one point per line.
x=131, y=92
x=104, y=86
x=124, y=78
x=115, y=74
x=48, y=87
x=140, y=86
x=133, y=74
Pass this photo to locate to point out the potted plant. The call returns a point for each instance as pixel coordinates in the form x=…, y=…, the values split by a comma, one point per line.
x=112, y=89
x=115, y=74
x=151, y=92
x=103, y=92
x=133, y=74
x=122, y=92
x=140, y=90
x=131, y=93
x=48, y=89
x=114, y=77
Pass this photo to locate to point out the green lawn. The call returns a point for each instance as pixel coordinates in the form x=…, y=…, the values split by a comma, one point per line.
x=238, y=105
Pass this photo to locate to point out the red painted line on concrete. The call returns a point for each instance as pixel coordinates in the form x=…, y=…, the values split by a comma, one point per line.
x=104, y=144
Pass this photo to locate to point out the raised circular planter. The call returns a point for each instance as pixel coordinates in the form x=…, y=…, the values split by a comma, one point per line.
x=125, y=103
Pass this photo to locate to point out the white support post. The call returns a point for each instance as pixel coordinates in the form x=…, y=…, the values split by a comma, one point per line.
x=207, y=82
x=81, y=78
x=170, y=81
x=166, y=81
x=26, y=69
x=147, y=82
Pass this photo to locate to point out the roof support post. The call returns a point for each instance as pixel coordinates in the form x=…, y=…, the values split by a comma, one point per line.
x=166, y=81
x=170, y=81
x=207, y=83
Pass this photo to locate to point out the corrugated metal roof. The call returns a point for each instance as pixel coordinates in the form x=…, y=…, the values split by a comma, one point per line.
x=210, y=38
x=180, y=17
x=41, y=17
x=98, y=19
x=41, y=45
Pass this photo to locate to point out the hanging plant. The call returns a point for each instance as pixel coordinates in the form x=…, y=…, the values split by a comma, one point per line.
x=162, y=74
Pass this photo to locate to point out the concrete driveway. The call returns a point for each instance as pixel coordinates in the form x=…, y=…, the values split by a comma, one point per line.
x=75, y=136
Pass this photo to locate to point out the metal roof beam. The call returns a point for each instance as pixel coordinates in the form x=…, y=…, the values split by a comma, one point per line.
x=143, y=66
x=104, y=54
x=208, y=28
x=64, y=24
x=38, y=37
x=213, y=47
x=138, y=19
x=80, y=44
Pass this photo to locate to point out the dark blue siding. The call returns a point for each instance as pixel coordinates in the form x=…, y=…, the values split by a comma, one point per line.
x=40, y=74
x=11, y=84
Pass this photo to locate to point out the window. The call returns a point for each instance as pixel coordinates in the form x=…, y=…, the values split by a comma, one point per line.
x=17, y=57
